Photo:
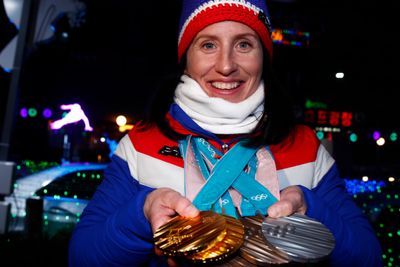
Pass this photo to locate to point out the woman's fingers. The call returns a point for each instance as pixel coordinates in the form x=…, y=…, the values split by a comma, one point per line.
x=291, y=201
x=163, y=203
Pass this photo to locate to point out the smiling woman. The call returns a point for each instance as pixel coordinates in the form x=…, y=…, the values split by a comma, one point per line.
x=225, y=59
x=237, y=151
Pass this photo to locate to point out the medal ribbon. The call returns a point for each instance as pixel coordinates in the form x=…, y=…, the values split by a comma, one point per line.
x=222, y=181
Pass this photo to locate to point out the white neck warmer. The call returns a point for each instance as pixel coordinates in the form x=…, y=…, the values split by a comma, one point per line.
x=216, y=114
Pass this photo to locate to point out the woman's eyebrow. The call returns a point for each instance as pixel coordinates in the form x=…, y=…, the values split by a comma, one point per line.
x=216, y=36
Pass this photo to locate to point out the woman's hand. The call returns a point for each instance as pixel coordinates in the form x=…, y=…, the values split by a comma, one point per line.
x=163, y=203
x=291, y=201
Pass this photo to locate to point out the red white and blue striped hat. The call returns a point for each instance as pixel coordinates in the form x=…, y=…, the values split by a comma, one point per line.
x=198, y=14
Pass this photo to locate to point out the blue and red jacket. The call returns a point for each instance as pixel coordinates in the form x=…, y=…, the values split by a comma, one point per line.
x=113, y=230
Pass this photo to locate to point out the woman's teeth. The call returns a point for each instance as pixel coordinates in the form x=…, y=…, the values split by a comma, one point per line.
x=225, y=86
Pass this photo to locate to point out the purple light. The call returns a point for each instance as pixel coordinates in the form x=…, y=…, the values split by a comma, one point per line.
x=75, y=114
x=23, y=112
x=47, y=113
x=376, y=135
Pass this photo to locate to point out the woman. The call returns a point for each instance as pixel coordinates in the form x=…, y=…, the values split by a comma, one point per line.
x=225, y=104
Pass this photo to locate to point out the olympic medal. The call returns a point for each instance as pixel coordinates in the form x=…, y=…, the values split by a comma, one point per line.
x=183, y=236
x=302, y=238
x=256, y=249
x=224, y=246
x=236, y=261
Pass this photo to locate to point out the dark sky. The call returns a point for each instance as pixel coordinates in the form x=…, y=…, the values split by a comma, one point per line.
x=112, y=62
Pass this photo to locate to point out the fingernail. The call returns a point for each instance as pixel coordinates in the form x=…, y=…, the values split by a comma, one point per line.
x=272, y=213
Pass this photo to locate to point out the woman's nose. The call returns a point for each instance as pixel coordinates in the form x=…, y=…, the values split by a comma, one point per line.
x=226, y=63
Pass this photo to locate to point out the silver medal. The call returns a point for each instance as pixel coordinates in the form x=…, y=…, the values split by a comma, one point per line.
x=302, y=238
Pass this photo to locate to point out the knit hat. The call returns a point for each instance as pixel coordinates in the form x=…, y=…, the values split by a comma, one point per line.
x=198, y=14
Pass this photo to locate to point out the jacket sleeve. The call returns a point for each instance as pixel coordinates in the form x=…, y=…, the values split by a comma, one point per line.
x=113, y=230
x=356, y=242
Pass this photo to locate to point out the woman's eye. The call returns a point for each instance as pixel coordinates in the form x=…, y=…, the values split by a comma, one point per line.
x=244, y=45
x=208, y=46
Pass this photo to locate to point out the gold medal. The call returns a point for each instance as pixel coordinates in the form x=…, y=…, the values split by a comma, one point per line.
x=183, y=236
x=225, y=245
x=209, y=237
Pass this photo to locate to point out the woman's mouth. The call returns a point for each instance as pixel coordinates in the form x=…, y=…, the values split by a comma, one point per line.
x=225, y=85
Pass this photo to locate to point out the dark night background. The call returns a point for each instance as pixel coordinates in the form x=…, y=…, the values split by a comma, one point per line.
x=114, y=60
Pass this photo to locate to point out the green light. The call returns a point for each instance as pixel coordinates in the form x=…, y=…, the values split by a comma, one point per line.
x=45, y=217
x=398, y=233
x=15, y=185
x=315, y=104
x=83, y=175
x=67, y=218
x=370, y=196
x=388, y=196
x=32, y=112
x=390, y=250
x=396, y=196
x=98, y=176
x=45, y=191
x=381, y=225
x=393, y=136
x=46, y=223
x=18, y=167
x=14, y=215
x=390, y=235
x=354, y=196
x=78, y=215
x=353, y=137
x=75, y=196
x=320, y=135
x=93, y=176
x=65, y=193
x=384, y=256
x=78, y=174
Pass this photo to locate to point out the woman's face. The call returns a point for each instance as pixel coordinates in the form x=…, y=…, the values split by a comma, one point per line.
x=226, y=59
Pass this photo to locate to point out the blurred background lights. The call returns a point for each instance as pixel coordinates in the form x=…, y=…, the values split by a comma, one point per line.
x=47, y=113
x=393, y=136
x=32, y=112
x=320, y=135
x=23, y=112
x=381, y=141
x=339, y=75
x=391, y=179
x=121, y=120
x=376, y=135
x=365, y=178
x=353, y=137
x=103, y=139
